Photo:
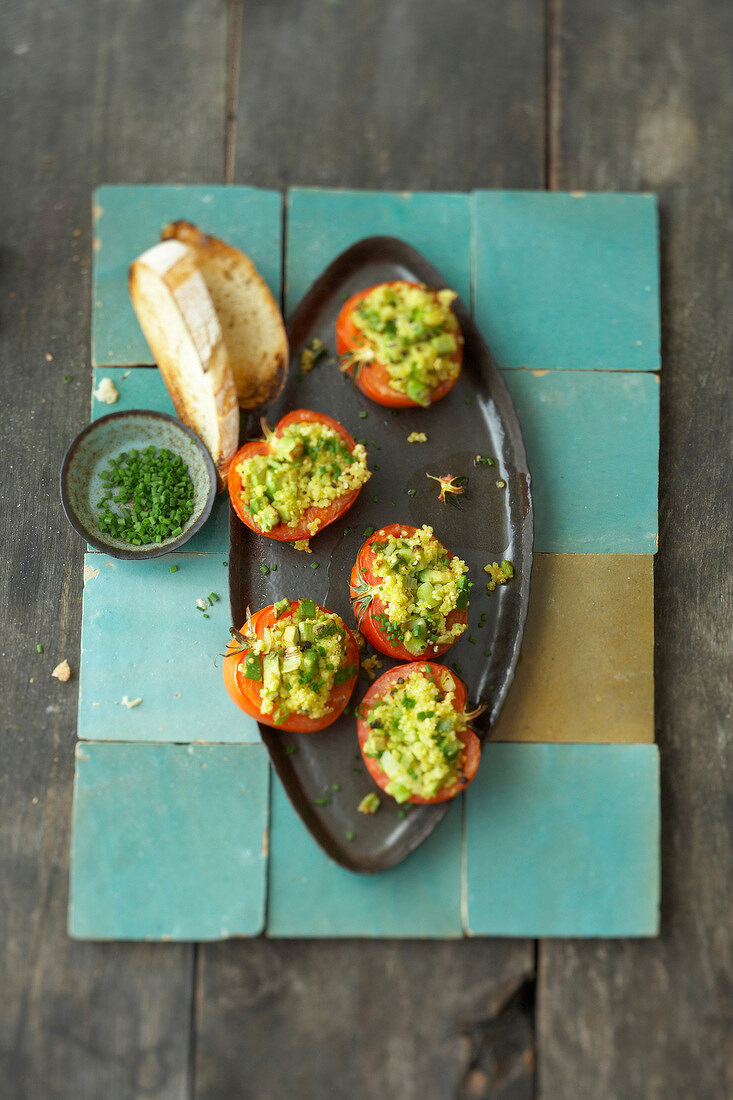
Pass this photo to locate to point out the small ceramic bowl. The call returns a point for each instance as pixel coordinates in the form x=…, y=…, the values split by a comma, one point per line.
x=104, y=439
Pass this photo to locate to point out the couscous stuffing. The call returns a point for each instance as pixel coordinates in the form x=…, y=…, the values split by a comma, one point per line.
x=413, y=733
x=299, y=660
x=308, y=466
x=420, y=585
x=413, y=331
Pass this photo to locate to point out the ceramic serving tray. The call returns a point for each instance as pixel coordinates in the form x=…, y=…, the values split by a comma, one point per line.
x=322, y=772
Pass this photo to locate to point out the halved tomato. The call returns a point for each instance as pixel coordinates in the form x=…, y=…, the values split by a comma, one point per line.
x=371, y=611
x=303, y=529
x=470, y=757
x=371, y=377
x=247, y=692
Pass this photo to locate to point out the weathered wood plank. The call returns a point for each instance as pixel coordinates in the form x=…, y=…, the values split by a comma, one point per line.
x=366, y=1019
x=645, y=100
x=392, y=94
x=398, y=94
x=91, y=91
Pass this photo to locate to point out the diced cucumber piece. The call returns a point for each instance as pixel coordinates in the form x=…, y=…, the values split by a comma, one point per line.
x=310, y=661
x=417, y=392
x=270, y=673
x=444, y=344
x=253, y=667
x=441, y=576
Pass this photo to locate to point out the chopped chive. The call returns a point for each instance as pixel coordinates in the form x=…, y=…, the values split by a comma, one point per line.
x=346, y=710
x=393, y=412
x=411, y=492
x=363, y=414
x=472, y=640
x=265, y=569
x=483, y=616
x=273, y=567
x=469, y=401
x=362, y=441
x=346, y=531
x=376, y=500
x=335, y=786
x=351, y=836
x=487, y=653
x=314, y=564
x=456, y=668
x=356, y=771
x=375, y=445
x=492, y=687
x=325, y=801
x=39, y=648
x=173, y=569
x=368, y=531
x=67, y=378
x=205, y=615
x=291, y=749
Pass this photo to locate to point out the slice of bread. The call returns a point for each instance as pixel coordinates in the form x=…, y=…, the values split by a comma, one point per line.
x=251, y=322
x=181, y=326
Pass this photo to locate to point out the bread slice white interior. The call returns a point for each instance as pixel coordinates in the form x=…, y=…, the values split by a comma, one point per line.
x=250, y=319
x=180, y=324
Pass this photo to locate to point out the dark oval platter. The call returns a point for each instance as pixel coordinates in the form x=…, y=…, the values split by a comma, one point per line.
x=494, y=521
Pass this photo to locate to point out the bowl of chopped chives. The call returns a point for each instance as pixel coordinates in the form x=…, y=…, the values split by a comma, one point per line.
x=137, y=484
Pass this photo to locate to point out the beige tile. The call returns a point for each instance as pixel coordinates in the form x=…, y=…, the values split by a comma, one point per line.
x=586, y=672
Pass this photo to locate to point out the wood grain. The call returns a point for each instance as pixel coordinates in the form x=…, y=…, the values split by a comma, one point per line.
x=347, y=1019
x=91, y=91
x=391, y=94
x=352, y=95
x=644, y=100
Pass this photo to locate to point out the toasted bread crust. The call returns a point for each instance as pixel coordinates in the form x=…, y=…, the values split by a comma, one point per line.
x=252, y=325
x=180, y=324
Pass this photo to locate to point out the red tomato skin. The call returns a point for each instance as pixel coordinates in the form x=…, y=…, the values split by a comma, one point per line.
x=247, y=694
x=373, y=379
x=294, y=532
x=471, y=755
x=369, y=627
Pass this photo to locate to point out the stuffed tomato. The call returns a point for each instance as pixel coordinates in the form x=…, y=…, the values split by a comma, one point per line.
x=293, y=666
x=415, y=736
x=409, y=593
x=401, y=343
x=302, y=476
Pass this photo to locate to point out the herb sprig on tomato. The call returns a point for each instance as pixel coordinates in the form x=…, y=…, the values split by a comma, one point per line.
x=415, y=736
x=409, y=593
x=302, y=476
x=293, y=666
x=401, y=343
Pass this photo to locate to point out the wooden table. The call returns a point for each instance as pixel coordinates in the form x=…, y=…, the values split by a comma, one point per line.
x=569, y=94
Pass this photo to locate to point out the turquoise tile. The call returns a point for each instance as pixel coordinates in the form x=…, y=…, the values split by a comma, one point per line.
x=592, y=442
x=563, y=840
x=168, y=841
x=127, y=220
x=143, y=388
x=144, y=637
x=311, y=896
x=568, y=280
x=322, y=223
